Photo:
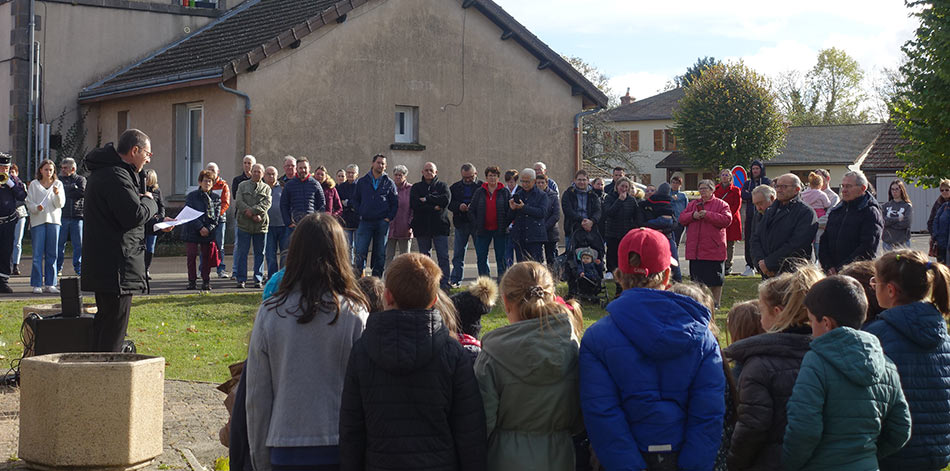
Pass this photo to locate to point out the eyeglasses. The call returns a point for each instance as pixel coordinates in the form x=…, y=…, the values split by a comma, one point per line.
x=782, y=187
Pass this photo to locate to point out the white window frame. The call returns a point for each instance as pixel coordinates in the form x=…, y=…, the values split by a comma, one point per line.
x=406, y=124
x=189, y=181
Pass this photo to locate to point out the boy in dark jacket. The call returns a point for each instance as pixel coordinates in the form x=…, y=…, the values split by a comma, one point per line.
x=410, y=398
x=847, y=408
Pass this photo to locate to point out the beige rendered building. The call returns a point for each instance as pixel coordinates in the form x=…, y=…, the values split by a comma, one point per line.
x=79, y=42
x=448, y=81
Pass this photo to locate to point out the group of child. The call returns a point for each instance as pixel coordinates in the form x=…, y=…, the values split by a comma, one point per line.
x=411, y=386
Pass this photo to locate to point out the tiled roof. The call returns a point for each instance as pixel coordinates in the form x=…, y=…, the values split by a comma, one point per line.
x=255, y=29
x=811, y=145
x=883, y=155
x=655, y=107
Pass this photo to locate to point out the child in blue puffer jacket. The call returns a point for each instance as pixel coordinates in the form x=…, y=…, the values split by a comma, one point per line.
x=652, y=382
x=913, y=333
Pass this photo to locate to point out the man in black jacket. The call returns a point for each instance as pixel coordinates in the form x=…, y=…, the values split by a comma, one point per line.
x=429, y=200
x=582, y=209
x=75, y=187
x=116, y=210
x=786, y=231
x=462, y=192
x=854, y=226
x=756, y=177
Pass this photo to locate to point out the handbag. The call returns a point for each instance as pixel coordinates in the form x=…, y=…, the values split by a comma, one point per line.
x=214, y=255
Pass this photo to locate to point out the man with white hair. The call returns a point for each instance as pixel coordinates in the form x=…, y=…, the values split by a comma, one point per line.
x=248, y=162
x=429, y=199
x=251, y=204
x=345, y=189
x=787, y=228
x=220, y=188
x=854, y=226
x=541, y=169
x=277, y=234
x=75, y=187
x=290, y=170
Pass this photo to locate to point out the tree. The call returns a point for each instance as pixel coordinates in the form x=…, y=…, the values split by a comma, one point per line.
x=728, y=117
x=830, y=93
x=920, y=108
x=596, y=77
x=885, y=87
x=603, y=146
x=694, y=71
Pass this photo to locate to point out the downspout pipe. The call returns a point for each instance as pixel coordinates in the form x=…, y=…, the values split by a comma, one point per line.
x=247, y=115
x=577, y=135
x=29, y=106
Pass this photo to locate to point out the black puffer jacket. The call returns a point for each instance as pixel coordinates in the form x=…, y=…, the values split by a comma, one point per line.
x=572, y=214
x=478, y=208
x=620, y=215
x=853, y=232
x=114, y=229
x=770, y=364
x=410, y=398
x=75, y=187
x=784, y=233
x=426, y=220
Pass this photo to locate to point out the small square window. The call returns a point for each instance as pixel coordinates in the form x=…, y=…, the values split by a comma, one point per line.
x=407, y=124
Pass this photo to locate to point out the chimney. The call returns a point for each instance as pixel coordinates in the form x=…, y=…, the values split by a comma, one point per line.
x=627, y=99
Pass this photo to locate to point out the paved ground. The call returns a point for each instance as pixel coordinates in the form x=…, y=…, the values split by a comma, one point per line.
x=193, y=414
x=169, y=275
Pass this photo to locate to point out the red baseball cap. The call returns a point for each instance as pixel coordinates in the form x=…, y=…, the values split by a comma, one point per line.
x=653, y=248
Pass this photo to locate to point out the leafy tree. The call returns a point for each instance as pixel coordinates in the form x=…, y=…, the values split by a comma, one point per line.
x=695, y=70
x=728, y=117
x=596, y=77
x=920, y=110
x=830, y=93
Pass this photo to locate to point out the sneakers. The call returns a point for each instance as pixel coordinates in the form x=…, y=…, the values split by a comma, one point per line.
x=608, y=276
x=257, y=285
x=224, y=274
x=455, y=284
x=148, y=275
x=51, y=289
x=240, y=285
x=37, y=290
x=748, y=271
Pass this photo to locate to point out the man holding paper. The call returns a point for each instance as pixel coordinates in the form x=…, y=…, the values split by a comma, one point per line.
x=116, y=210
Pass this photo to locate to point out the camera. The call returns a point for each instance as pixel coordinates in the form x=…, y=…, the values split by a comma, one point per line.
x=518, y=198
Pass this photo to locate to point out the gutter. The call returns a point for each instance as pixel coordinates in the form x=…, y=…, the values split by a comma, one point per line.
x=577, y=135
x=247, y=115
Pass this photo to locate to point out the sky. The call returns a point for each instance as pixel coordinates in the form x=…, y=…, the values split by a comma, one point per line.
x=643, y=45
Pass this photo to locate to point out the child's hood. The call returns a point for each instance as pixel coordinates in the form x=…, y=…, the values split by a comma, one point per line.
x=856, y=354
x=921, y=323
x=771, y=344
x=535, y=351
x=404, y=341
x=659, y=323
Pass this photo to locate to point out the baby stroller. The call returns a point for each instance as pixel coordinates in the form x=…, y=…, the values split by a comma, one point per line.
x=585, y=282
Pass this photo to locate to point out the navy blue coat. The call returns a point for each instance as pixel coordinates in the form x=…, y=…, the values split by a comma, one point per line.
x=208, y=203
x=853, y=232
x=375, y=204
x=10, y=198
x=529, y=221
x=462, y=193
x=553, y=215
x=351, y=220
x=941, y=226
x=651, y=375
x=572, y=214
x=300, y=198
x=914, y=336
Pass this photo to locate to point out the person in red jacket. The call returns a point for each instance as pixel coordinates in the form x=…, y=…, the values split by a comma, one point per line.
x=732, y=195
x=706, y=220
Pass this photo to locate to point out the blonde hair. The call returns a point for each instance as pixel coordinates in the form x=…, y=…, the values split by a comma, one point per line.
x=744, y=321
x=815, y=181
x=151, y=179
x=788, y=292
x=450, y=316
x=945, y=183
x=702, y=295
x=636, y=280
x=530, y=286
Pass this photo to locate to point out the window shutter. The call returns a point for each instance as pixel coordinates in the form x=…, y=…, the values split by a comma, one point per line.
x=669, y=140
x=657, y=140
x=634, y=141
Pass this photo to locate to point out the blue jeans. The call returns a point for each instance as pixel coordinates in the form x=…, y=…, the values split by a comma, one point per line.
x=481, y=252
x=44, y=247
x=441, y=244
x=72, y=230
x=350, y=239
x=150, y=241
x=462, y=235
x=376, y=232
x=219, y=239
x=242, y=244
x=277, y=238
x=18, y=240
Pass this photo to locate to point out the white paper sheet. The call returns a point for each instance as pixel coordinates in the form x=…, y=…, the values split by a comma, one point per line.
x=187, y=214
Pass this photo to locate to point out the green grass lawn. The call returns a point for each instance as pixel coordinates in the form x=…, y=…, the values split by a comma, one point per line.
x=200, y=335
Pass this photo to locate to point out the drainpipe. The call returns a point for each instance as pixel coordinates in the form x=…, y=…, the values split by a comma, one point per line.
x=577, y=136
x=29, y=106
x=247, y=115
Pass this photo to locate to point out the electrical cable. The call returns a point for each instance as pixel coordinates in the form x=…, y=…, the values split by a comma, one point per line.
x=462, y=99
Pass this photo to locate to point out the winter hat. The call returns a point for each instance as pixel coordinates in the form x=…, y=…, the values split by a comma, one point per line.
x=663, y=190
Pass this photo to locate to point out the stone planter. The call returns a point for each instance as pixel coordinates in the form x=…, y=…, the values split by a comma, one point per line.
x=91, y=410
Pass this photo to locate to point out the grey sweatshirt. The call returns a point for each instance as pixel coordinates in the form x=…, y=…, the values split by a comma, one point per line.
x=897, y=219
x=295, y=377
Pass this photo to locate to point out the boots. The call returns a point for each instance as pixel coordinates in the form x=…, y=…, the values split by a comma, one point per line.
x=192, y=285
x=205, y=286
x=148, y=263
x=16, y=269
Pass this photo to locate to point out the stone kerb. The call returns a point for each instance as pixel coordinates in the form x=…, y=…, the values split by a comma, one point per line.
x=91, y=410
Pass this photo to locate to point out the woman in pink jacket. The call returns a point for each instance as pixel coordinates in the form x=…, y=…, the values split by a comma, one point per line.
x=706, y=220
x=400, y=234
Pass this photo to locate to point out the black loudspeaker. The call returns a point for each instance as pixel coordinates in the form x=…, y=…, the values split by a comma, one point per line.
x=57, y=334
x=70, y=297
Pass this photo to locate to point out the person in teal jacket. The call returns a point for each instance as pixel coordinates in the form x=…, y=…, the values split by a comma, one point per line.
x=847, y=408
x=528, y=376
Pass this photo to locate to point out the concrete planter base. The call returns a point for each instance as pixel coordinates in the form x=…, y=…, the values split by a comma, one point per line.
x=91, y=410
